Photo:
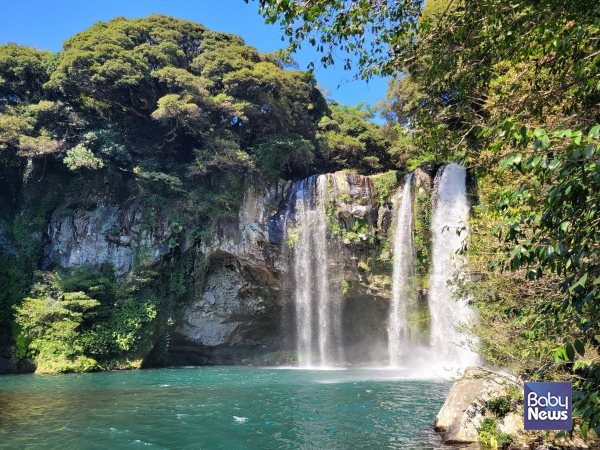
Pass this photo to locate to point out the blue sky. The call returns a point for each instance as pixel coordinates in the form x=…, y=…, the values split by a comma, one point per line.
x=46, y=24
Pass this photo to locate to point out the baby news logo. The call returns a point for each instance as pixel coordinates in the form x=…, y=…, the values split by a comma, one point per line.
x=548, y=406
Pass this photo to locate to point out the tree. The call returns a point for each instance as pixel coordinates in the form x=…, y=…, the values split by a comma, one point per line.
x=51, y=324
x=282, y=154
x=159, y=114
x=23, y=72
x=349, y=140
x=161, y=87
x=378, y=33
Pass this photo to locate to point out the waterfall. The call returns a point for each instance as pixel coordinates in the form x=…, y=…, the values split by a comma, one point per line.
x=303, y=275
x=317, y=299
x=403, y=281
x=450, y=213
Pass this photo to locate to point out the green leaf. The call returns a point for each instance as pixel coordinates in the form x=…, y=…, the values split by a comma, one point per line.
x=579, y=347
x=517, y=158
x=588, y=151
x=563, y=134
x=580, y=282
x=507, y=162
x=536, y=161
x=584, y=430
x=590, y=296
x=570, y=352
x=595, y=131
x=560, y=355
x=554, y=164
x=545, y=142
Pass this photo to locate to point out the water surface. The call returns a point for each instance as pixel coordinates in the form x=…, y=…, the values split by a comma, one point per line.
x=221, y=408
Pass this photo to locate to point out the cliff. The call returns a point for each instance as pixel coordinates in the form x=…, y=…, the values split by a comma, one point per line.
x=221, y=295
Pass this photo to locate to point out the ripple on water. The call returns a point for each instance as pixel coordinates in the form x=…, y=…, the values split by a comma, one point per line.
x=272, y=409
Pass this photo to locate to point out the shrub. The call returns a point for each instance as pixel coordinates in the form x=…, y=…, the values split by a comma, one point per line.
x=491, y=437
x=499, y=406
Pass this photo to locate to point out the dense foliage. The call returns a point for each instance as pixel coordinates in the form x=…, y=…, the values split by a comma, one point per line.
x=378, y=33
x=513, y=90
x=126, y=91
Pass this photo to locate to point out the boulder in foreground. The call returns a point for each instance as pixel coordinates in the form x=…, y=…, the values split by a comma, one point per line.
x=468, y=406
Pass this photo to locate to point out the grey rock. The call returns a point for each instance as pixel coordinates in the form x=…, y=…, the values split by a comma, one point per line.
x=384, y=218
x=16, y=366
x=359, y=189
x=241, y=261
x=423, y=177
x=465, y=407
x=214, y=318
x=209, y=296
x=9, y=364
x=107, y=233
x=83, y=238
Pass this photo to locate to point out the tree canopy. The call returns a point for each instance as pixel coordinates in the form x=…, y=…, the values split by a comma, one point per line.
x=138, y=93
x=378, y=33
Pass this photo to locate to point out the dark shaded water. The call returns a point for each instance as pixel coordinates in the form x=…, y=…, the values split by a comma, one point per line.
x=221, y=408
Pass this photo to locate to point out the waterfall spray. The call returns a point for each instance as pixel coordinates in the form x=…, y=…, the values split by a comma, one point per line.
x=450, y=214
x=317, y=299
x=403, y=281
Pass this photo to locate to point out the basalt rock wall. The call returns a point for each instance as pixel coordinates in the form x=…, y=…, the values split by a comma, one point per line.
x=238, y=307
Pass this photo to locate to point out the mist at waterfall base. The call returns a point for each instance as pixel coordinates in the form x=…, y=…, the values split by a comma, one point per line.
x=220, y=407
x=318, y=301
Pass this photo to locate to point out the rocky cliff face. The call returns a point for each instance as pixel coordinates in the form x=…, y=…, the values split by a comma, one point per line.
x=237, y=303
x=246, y=299
x=240, y=302
x=242, y=299
x=121, y=235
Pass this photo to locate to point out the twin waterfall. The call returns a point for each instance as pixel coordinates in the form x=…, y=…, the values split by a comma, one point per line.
x=317, y=276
